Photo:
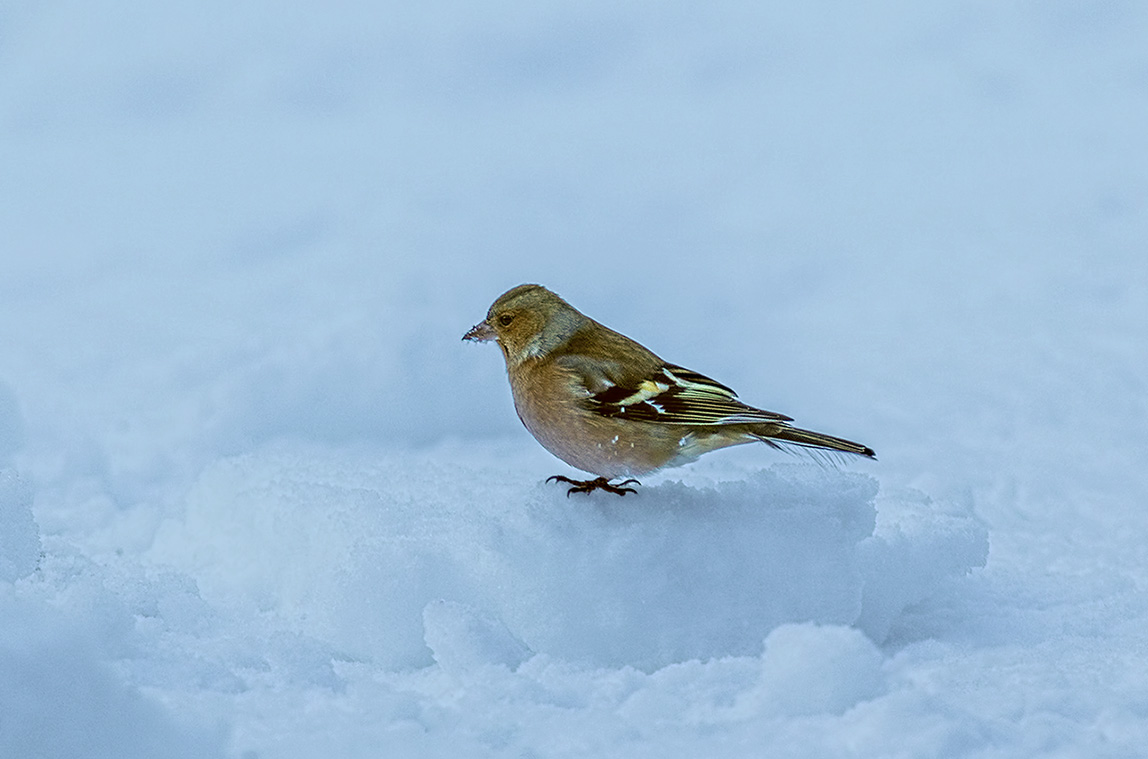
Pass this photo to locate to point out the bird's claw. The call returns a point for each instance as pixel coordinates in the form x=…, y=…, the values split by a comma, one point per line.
x=600, y=483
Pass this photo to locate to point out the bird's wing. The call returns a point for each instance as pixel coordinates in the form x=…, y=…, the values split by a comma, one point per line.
x=668, y=395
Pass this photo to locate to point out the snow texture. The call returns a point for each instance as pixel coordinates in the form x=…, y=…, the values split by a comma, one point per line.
x=19, y=536
x=258, y=501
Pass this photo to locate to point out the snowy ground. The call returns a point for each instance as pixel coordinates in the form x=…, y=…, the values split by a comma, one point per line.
x=258, y=501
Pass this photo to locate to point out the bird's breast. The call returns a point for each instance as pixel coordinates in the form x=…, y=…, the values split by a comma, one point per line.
x=550, y=402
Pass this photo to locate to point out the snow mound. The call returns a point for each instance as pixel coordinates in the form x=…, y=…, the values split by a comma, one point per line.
x=463, y=640
x=918, y=545
x=804, y=670
x=406, y=559
x=19, y=535
x=58, y=699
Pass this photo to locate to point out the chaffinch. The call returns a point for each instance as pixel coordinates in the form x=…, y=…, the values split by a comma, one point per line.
x=606, y=405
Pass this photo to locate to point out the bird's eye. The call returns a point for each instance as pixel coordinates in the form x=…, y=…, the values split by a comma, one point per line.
x=506, y=319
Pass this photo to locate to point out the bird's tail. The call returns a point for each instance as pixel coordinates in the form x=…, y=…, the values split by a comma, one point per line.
x=774, y=434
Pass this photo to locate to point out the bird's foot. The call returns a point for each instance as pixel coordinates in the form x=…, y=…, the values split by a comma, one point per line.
x=601, y=483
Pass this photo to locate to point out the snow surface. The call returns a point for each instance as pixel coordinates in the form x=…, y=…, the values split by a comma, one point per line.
x=258, y=501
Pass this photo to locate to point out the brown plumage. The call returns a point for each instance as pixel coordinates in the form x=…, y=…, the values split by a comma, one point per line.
x=607, y=405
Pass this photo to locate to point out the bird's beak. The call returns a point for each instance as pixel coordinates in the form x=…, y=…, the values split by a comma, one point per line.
x=480, y=332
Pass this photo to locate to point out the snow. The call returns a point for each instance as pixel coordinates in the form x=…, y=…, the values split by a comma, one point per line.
x=19, y=536
x=590, y=581
x=258, y=500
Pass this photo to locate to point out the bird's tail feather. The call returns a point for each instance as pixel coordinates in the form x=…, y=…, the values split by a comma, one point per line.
x=809, y=439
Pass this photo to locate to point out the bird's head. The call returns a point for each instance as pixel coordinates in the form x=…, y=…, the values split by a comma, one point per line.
x=527, y=321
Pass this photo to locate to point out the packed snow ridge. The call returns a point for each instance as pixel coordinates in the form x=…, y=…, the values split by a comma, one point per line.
x=365, y=560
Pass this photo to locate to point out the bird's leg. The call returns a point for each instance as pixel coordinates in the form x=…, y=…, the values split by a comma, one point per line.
x=601, y=483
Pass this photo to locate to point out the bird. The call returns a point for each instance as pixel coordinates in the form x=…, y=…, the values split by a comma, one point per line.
x=607, y=405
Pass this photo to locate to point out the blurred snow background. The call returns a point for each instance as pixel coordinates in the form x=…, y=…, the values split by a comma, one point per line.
x=256, y=499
